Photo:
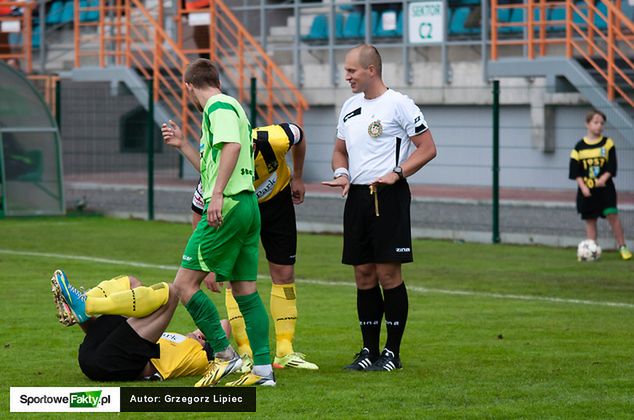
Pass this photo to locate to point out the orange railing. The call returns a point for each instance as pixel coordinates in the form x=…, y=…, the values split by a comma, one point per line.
x=597, y=33
x=21, y=51
x=129, y=34
x=47, y=86
x=240, y=58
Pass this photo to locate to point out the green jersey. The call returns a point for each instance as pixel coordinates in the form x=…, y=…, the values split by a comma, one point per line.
x=224, y=121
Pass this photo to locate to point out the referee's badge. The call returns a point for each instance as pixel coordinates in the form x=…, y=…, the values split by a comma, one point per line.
x=375, y=129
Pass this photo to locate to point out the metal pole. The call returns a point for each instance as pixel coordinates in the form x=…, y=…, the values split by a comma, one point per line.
x=496, y=162
x=150, y=150
x=42, y=14
x=254, y=102
x=58, y=104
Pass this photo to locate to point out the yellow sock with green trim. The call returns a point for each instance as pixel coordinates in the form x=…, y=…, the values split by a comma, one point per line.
x=238, y=327
x=284, y=313
x=138, y=302
x=108, y=287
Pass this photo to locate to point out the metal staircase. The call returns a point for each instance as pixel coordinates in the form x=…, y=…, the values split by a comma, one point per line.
x=599, y=52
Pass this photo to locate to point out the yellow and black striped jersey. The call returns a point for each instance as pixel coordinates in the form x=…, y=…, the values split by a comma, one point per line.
x=272, y=173
x=180, y=356
x=592, y=158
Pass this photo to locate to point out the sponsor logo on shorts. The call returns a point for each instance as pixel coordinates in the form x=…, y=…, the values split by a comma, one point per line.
x=403, y=250
x=187, y=258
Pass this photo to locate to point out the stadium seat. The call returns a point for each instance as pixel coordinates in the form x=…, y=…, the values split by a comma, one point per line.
x=504, y=16
x=54, y=16
x=599, y=21
x=35, y=37
x=557, y=14
x=374, y=18
x=68, y=14
x=518, y=21
x=458, y=18
x=381, y=32
x=318, y=29
x=352, y=27
x=89, y=16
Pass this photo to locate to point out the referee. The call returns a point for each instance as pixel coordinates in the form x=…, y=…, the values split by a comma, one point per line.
x=382, y=138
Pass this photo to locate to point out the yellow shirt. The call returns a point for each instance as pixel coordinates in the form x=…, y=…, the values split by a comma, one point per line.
x=180, y=356
x=272, y=173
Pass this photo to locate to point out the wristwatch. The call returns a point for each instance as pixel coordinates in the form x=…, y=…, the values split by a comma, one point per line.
x=398, y=171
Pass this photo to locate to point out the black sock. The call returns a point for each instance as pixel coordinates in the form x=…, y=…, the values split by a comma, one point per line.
x=370, y=311
x=396, y=305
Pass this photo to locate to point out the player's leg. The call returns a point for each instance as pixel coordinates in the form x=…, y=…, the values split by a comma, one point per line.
x=591, y=228
x=138, y=302
x=244, y=276
x=370, y=308
x=279, y=240
x=358, y=250
x=396, y=309
x=393, y=247
x=115, y=284
x=152, y=326
x=619, y=236
x=239, y=329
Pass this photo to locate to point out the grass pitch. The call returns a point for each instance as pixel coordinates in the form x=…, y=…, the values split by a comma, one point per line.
x=494, y=330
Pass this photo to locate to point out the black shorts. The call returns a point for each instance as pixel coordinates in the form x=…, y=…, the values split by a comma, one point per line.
x=113, y=351
x=198, y=204
x=278, y=230
x=595, y=206
x=383, y=239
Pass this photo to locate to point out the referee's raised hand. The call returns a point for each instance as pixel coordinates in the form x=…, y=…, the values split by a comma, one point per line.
x=341, y=181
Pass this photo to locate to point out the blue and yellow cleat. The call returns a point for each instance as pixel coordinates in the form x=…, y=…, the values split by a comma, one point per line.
x=70, y=302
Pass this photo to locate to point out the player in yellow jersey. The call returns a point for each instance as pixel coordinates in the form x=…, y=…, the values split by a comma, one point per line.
x=277, y=189
x=134, y=346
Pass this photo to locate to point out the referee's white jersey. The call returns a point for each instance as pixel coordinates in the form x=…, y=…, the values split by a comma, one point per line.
x=377, y=133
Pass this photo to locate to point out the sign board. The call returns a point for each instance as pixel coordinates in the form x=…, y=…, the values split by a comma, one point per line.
x=426, y=22
x=10, y=26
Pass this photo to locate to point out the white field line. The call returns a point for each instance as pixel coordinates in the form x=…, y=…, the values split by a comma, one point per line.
x=416, y=289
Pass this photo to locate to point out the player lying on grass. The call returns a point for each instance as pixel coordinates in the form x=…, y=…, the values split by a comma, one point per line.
x=128, y=341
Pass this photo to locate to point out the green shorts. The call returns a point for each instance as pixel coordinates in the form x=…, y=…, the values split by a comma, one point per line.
x=230, y=251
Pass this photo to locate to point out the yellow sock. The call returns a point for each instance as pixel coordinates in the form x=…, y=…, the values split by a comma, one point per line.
x=108, y=287
x=138, y=302
x=284, y=313
x=238, y=327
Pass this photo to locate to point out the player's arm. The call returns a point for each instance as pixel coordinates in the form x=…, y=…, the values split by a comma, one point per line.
x=173, y=136
x=298, y=151
x=425, y=152
x=340, y=166
x=228, y=160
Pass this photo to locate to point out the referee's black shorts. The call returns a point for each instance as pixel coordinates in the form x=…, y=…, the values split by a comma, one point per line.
x=278, y=230
x=113, y=351
x=368, y=238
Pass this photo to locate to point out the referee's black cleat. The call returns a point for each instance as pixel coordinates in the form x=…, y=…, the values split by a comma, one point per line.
x=386, y=362
x=362, y=360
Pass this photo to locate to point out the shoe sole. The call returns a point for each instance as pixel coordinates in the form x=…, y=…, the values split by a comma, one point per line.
x=65, y=314
x=261, y=382
x=300, y=367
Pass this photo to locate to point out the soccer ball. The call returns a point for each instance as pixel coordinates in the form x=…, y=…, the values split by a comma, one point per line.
x=588, y=250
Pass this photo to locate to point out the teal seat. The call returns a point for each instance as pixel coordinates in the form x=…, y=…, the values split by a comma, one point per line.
x=351, y=28
x=54, y=16
x=68, y=14
x=374, y=18
x=318, y=29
